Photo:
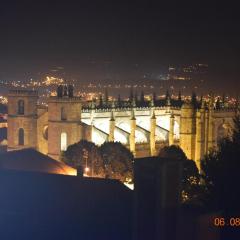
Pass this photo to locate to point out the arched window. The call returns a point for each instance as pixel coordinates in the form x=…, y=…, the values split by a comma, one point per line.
x=63, y=114
x=21, y=107
x=21, y=136
x=63, y=141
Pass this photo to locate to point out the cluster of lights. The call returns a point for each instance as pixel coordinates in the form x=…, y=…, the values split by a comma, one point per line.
x=50, y=80
x=3, y=100
x=116, y=86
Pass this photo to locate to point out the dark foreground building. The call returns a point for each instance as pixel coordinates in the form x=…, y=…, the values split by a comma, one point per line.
x=49, y=206
x=38, y=202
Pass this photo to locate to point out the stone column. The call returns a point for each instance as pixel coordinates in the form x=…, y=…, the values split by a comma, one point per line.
x=210, y=130
x=199, y=151
x=132, y=134
x=188, y=130
x=206, y=132
x=111, y=128
x=171, y=131
x=152, y=135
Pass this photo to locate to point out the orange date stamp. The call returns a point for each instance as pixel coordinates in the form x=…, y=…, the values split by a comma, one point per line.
x=224, y=222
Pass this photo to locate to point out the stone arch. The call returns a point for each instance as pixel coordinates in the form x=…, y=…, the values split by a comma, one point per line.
x=141, y=135
x=144, y=123
x=124, y=125
x=21, y=107
x=121, y=135
x=21, y=136
x=99, y=136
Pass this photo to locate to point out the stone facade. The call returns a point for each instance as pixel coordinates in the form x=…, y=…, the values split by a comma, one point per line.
x=143, y=127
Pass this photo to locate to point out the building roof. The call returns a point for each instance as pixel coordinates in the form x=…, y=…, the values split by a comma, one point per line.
x=34, y=161
x=50, y=206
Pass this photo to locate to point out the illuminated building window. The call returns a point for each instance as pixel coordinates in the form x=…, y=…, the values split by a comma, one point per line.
x=21, y=136
x=63, y=141
x=63, y=114
x=21, y=107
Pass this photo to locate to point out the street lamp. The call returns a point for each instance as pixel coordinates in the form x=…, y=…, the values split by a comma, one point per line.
x=85, y=156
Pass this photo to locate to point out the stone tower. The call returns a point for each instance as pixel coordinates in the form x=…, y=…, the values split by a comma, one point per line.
x=64, y=121
x=188, y=130
x=22, y=119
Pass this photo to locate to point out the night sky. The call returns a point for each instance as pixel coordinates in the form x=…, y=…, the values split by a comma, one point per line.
x=91, y=37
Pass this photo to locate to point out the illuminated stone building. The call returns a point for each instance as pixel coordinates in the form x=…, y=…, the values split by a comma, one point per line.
x=143, y=126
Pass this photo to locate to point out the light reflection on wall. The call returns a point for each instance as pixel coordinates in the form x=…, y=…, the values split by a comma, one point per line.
x=124, y=124
x=143, y=122
x=164, y=122
x=140, y=137
x=97, y=138
x=120, y=137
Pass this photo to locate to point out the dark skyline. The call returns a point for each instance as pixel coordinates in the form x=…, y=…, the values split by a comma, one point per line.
x=85, y=37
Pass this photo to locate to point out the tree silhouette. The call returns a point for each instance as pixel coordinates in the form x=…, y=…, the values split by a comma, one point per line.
x=118, y=161
x=86, y=155
x=220, y=172
x=191, y=187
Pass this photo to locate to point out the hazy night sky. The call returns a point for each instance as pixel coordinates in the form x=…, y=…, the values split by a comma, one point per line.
x=86, y=37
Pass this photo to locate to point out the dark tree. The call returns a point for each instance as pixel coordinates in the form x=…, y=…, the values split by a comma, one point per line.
x=86, y=155
x=118, y=161
x=191, y=187
x=220, y=171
